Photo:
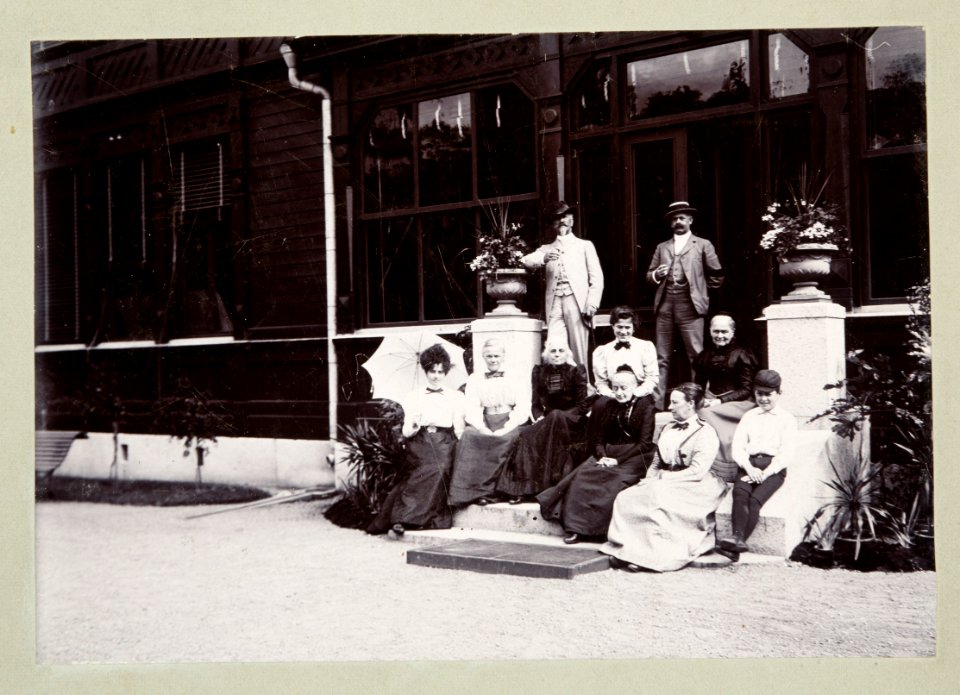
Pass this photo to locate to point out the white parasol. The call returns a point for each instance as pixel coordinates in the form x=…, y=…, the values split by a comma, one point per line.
x=395, y=366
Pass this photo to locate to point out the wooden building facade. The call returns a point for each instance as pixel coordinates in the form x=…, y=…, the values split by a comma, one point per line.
x=180, y=203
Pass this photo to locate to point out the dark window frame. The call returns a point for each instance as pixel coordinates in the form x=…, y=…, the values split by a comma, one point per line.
x=420, y=213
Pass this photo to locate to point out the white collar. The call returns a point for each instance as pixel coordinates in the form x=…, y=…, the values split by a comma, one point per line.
x=680, y=241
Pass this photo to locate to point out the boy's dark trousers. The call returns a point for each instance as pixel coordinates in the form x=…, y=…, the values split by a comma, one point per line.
x=748, y=497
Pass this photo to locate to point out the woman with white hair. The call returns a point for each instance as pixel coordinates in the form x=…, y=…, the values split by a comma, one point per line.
x=559, y=405
x=497, y=402
x=621, y=444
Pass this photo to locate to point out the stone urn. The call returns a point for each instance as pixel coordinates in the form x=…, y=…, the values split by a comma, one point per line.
x=506, y=286
x=805, y=266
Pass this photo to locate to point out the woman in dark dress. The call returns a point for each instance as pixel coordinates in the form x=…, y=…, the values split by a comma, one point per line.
x=725, y=373
x=433, y=420
x=623, y=447
x=559, y=405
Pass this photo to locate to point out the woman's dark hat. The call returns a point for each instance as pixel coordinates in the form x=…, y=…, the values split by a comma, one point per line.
x=557, y=210
x=680, y=206
x=767, y=379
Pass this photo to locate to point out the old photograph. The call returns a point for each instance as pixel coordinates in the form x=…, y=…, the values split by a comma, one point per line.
x=483, y=346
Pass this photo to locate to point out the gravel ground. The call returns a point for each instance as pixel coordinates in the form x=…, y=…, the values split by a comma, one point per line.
x=144, y=584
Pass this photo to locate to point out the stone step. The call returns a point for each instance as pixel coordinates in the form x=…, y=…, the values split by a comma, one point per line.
x=440, y=537
x=768, y=538
x=521, y=518
x=518, y=559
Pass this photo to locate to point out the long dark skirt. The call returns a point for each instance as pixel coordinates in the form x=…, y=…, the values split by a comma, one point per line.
x=420, y=500
x=583, y=500
x=724, y=418
x=542, y=456
x=479, y=461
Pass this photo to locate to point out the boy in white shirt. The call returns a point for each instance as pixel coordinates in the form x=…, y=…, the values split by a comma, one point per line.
x=762, y=446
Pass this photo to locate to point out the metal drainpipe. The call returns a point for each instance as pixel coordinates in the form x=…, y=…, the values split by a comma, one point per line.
x=329, y=228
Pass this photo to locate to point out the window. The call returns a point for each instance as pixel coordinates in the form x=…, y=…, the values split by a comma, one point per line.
x=57, y=273
x=789, y=67
x=896, y=88
x=124, y=251
x=202, y=251
x=680, y=82
x=425, y=188
x=895, y=163
x=592, y=97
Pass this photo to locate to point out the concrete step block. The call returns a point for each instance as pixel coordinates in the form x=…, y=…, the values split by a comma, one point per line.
x=523, y=518
x=518, y=559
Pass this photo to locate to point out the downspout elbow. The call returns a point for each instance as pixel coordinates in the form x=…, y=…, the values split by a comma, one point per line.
x=290, y=58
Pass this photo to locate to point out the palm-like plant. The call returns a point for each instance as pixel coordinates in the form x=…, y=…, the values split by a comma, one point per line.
x=376, y=463
x=854, y=512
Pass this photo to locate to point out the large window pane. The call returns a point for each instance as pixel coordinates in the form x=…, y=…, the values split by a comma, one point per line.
x=687, y=81
x=392, y=270
x=505, y=137
x=596, y=169
x=789, y=67
x=203, y=273
x=446, y=170
x=591, y=100
x=58, y=260
x=899, y=226
x=450, y=287
x=896, y=87
x=388, y=161
x=132, y=312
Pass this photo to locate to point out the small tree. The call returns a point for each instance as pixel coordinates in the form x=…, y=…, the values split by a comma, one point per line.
x=193, y=416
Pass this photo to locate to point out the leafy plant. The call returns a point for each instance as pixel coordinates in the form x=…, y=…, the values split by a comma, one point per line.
x=855, y=512
x=501, y=241
x=96, y=402
x=898, y=402
x=194, y=417
x=376, y=462
x=803, y=219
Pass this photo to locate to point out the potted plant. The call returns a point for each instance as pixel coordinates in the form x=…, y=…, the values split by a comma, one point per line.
x=804, y=233
x=499, y=261
x=855, y=514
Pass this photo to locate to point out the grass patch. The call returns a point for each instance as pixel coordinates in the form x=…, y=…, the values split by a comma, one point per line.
x=147, y=493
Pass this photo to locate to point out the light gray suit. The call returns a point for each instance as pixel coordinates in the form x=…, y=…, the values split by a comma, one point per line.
x=581, y=267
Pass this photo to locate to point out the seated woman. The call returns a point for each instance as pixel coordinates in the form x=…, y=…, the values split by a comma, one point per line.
x=622, y=442
x=668, y=519
x=725, y=372
x=559, y=406
x=433, y=420
x=496, y=404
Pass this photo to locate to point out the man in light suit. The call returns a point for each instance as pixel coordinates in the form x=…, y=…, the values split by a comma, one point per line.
x=574, y=281
x=683, y=269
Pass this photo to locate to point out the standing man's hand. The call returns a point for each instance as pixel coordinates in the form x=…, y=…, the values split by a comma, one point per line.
x=660, y=273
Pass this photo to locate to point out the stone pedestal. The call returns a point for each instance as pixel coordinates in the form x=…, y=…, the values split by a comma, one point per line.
x=521, y=336
x=806, y=344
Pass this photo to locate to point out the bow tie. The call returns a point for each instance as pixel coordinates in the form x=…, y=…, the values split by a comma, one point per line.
x=494, y=375
x=681, y=425
x=430, y=390
x=621, y=344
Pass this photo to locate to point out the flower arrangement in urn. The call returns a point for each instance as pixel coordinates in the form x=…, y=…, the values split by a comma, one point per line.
x=501, y=243
x=498, y=262
x=804, y=234
x=803, y=220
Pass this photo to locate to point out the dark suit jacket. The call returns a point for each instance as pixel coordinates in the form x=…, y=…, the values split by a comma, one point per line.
x=700, y=264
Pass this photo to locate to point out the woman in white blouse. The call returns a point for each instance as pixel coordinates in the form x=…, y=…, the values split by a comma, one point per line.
x=497, y=402
x=433, y=421
x=669, y=518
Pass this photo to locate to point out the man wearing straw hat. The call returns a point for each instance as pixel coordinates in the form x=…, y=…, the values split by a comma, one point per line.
x=683, y=269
